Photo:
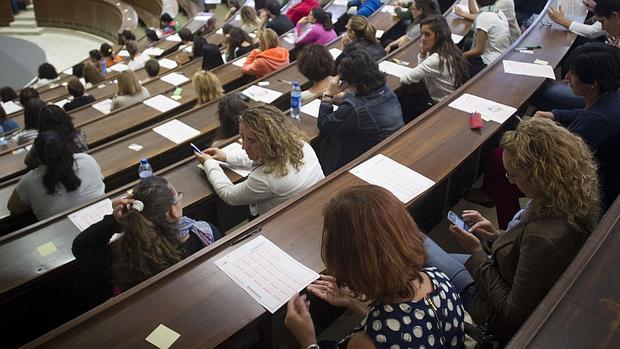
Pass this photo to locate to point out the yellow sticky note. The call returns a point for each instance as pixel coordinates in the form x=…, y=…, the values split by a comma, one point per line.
x=162, y=337
x=47, y=249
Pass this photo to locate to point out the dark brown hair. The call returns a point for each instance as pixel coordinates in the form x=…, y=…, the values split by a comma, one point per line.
x=315, y=62
x=75, y=88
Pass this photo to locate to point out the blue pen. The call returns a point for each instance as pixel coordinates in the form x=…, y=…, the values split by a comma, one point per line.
x=195, y=148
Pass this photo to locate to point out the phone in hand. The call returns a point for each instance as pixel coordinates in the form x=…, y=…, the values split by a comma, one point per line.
x=195, y=148
x=456, y=220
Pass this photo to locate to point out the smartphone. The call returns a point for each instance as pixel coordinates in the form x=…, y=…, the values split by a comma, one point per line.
x=456, y=220
x=195, y=148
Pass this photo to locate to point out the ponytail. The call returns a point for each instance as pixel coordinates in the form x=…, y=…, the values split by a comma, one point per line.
x=57, y=155
x=323, y=17
x=362, y=29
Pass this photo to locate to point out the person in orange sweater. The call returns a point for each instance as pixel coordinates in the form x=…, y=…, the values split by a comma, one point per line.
x=268, y=57
x=301, y=10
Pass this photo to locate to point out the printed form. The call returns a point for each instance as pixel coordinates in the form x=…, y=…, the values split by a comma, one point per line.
x=488, y=109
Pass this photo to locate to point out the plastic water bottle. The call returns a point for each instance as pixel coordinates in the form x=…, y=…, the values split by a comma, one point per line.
x=145, y=170
x=295, y=100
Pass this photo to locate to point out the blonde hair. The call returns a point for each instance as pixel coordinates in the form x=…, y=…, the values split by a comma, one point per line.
x=560, y=167
x=248, y=15
x=282, y=143
x=92, y=74
x=362, y=29
x=207, y=86
x=267, y=39
x=128, y=83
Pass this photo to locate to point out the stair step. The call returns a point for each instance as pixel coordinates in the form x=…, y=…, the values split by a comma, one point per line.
x=20, y=31
x=23, y=24
x=25, y=15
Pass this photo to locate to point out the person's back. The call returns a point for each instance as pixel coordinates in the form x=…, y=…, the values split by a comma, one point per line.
x=130, y=90
x=8, y=125
x=268, y=58
x=495, y=24
x=508, y=8
x=300, y=10
x=76, y=89
x=280, y=24
x=127, y=100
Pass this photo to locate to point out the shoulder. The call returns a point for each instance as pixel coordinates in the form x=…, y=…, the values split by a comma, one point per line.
x=551, y=231
x=84, y=159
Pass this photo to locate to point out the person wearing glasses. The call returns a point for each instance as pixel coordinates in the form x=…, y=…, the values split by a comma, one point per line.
x=155, y=236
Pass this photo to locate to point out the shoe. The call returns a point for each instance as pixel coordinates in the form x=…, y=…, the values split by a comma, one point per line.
x=478, y=196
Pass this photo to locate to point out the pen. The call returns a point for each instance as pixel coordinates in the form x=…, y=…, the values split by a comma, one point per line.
x=248, y=235
x=529, y=47
x=285, y=81
x=398, y=61
x=195, y=148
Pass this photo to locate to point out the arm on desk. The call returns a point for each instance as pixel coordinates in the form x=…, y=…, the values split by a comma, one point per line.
x=91, y=246
x=251, y=190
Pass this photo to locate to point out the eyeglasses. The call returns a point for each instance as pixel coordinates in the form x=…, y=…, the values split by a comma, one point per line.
x=179, y=198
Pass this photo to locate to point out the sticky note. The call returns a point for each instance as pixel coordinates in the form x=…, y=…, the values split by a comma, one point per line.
x=541, y=62
x=47, y=249
x=162, y=337
x=135, y=147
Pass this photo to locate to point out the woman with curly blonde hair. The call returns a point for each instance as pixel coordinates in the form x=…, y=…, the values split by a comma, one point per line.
x=282, y=162
x=556, y=171
x=207, y=86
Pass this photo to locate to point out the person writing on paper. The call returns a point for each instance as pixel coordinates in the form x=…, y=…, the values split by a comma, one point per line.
x=155, y=236
x=320, y=31
x=491, y=36
x=374, y=254
x=47, y=74
x=107, y=53
x=76, y=89
x=129, y=90
x=94, y=57
x=589, y=31
x=367, y=113
x=420, y=9
x=186, y=39
x=271, y=18
x=229, y=108
x=249, y=19
x=316, y=64
x=207, y=86
x=268, y=57
x=65, y=179
x=360, y=36
x=239, y=43
x=301, y=10
x=137, y=59
x=283, y=163
x=506, y=6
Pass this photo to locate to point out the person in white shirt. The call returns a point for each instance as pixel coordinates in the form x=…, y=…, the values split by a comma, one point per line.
x=137, y=59
x=507, y=7
x=441, y=64
x=589, y=31
x=283, y=163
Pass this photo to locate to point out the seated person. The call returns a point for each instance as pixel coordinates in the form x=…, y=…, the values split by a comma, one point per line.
x=167, y=24
x=207, y=86
x=360, y=36
x=137, y=59
x=491, y=36
x=316, y=64
x=129, y=90
x=198, y=44
x=283, y=163
x=8, y=94
x=31, y=121
x=319, y=29
x=47, y=74
x=406, y=304
x=506, y=6
x=186, y=39
x=211, y=57
x=268, y=57
x=301, y=9
x=229, y=108
x=8, y=125
x=589, y=31
x=366, y=115
x=92, y=74
x=238, y=43
x=94, y=56
x=127, y=36
x=64, y=180
x=26, y=93
x=419, y=9
x=271, y=18
x=233, y=7
x=108, y=55
x=155, y=235
x=608, y=13
x=249, y=19
x=502, y=285
x=152, y=68
x=365, y=7
x=76, y=89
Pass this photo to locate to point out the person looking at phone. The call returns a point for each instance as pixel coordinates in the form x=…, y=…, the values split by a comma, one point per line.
x=556, y=171
x=368, y=111
x=155, y=235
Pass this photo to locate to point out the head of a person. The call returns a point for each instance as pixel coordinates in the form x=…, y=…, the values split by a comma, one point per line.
x=75, y=88
x=78, y=70
x=420, y=9
x=126, y=36
x=259, y=4
x=358, y=27
x=608, y=13
x=267, y=39
x=94, y=55
x=106, y=50
x=47, y=71
x=361, y=73
x=92, y=73
x=322, y=17
x=271, y=139
x=150, y=242
x=315, y=62
x=26, y=93
x=8, y=94
x=273, y=8
x=229, y=108
x=132, y=48
x=31, y=113
x=482, y=3
x=371, y=244
x=128, y=83
x=185, y=35
x=165, y=19
x=198, y=44
x=594, y=68
x=152, y=67
x=248, y=15
x=207, y=86
x=226, y=28
x=556, y=169
x=236, y=37
x=54, y=118
x=211, y=57
x=56, y=154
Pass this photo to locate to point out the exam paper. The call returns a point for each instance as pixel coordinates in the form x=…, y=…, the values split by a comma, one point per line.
x=393, y=69
x=528, y=69
x=488, y=109
x=400, y=180
x=220, y=31
x=154, y=51
x=104, y=106
x=167, y=63
x=10, y=107
x=335, y=52
x=161, y=103
x=266, y=273
x=240, y=62
x=175, y=79
x=123, y=53
x=68, y=71
x=389, y=9
x=119, y=67
x=176, y=131
x=92, y=214
x=261, y=94
x=62, y=102
x=290, y=38
x=173, y=38
x=379, y=33
x=456, y=38
x=312, y=108
x=341, y=2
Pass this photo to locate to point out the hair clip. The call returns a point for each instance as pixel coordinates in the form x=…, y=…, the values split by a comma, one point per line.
x=137, y=205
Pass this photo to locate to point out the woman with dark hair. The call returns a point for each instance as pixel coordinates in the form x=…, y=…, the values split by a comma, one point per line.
x=8, y=94
x=155, y=236
x=96, y=58
x=65, y=179
x=108, y=55
x=320, y=30
x=31, y=121
x=367, y=114
x=360, y=36
x=211, y=57
x=76, y=89
x=137, y=59
x=126, y=36
x=47, y=74
x=316, y=64
x=229, y=108
x=26, y=93
x=239, y=43
x=374, y=254
x=198, y=44
x=420, y=9
x=301, y=10
x=167, y=24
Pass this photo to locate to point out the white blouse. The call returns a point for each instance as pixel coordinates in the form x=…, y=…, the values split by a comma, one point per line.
x=439, y=83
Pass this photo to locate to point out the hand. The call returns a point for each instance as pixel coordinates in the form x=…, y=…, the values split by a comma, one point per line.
x=480, y=225
x=216, y=153
x=202, y=157
x=468, y=241
x=335, y=87
x=299, y=321
x=590, y=4
x=232, y=10
x=558, y=16
x=544, y=114
x=391, y=47
x=326, y=289
x=346, y=40
x=460, y=12
x=304, y=20
x=263, y=15
x=120, y=208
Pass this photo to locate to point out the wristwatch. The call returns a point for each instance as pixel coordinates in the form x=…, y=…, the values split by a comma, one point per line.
x=313, y=346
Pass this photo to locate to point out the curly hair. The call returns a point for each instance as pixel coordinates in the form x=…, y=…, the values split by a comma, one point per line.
x=315, y=62
x=282, y=143
x=207, y=85
x=560, y=167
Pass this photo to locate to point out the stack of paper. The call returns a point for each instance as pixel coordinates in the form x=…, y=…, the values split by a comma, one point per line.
x=119, y=67
x=335, y=52
x=154, y=51
x=393, y=68
x=175, y=79
x=92, y=214
x=266, y=273
x=313, y=107
x=10, y=107
x=104, y=106
x=161, y=103
x=168, y=63
x=456, y=38
x=123, y=53
x=488, y=109
x=176, y=131
x=173, y=38
x=62, y=102
x=261, y=94
x=528, y=69
x=240, y=62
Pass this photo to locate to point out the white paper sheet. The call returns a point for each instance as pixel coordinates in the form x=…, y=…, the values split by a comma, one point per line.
x=389, y=9
x=92, y=214
x=168, y=63
x=335, y=52
x=240, y=62
x=68, y=71
x=220, y=31
x=119, y=67
x=266, y=273
x=488, y=109
x=252, y=35
x=173, y=38
x=261, y=94
x=212, y=2
x=202, y=18
x=528, y=69
x=405, y=183
x=11, y=107
x=234, y=148
x=175, y=79
x=393, y=68
x=465, y=8
x=176, y=131
x=341, y=2
x=312, y=108
x=153, y=51
x=61, y=103
x=123, y=53
x=379, y=33
x=456, y=38
x=161, y=103
x=290, y=38
x=104, y=106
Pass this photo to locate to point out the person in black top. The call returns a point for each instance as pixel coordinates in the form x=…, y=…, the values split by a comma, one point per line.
x=239, y=43
x=360, y=35
x=155, y=235
x=76, y=89
x=271, y=18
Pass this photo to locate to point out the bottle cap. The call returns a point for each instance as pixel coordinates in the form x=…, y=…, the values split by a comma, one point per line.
x=144, y=161
x=295, y=83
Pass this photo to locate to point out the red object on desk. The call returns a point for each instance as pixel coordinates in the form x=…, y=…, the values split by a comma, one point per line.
x=475, y=121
